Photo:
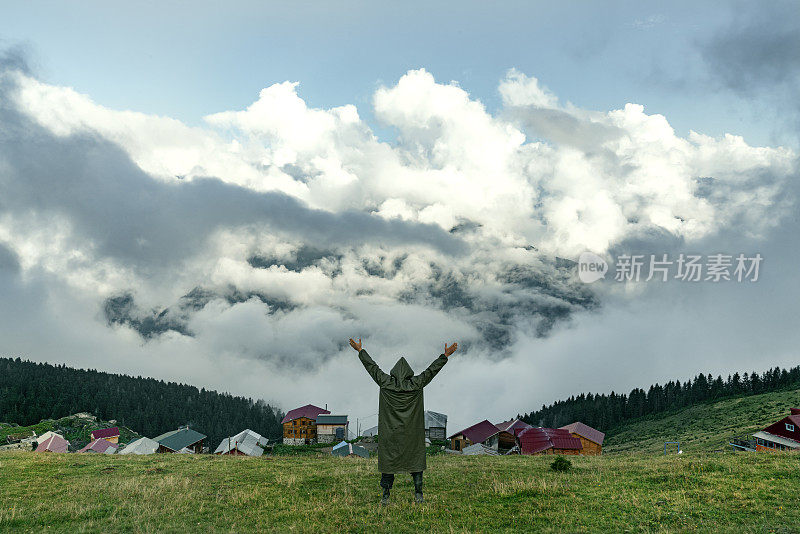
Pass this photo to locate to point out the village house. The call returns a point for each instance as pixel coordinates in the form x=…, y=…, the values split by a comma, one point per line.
x=109, y=434
x=591, y=439
x=435, y=425
x=53, y=443
x=331, y=428
x=182, y=440
x=537, y=440
x=782, y=435
x=300, y=425
x=483, y=432
x=245, y=443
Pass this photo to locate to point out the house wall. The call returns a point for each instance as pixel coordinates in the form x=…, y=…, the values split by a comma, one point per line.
x=505, y=441
x=299, y=431
x=327, y=433
x=457, y=443
x=588, y=447
x=769, y=446
x=436, y=432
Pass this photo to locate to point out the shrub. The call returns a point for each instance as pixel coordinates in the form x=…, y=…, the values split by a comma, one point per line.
x=561, y=464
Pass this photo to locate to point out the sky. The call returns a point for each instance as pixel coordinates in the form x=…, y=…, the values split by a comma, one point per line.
x=222, y=196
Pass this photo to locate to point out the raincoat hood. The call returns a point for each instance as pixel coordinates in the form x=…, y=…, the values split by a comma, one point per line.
x=401, y=370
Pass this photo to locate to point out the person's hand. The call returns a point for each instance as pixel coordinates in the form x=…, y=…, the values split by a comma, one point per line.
x=356, y=346
x=449, y=350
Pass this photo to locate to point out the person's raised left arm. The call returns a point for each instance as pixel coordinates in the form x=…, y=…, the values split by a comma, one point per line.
x=424, y=378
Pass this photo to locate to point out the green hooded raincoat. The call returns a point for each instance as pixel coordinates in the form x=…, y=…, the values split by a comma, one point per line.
x=401, y=414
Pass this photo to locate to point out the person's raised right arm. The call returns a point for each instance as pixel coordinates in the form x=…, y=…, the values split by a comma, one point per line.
x=372, y=368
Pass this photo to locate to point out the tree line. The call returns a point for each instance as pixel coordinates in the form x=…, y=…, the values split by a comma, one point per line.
x=30, y=392
x=606, y=411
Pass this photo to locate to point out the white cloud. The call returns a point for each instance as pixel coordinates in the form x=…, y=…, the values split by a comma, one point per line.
x=268, y=285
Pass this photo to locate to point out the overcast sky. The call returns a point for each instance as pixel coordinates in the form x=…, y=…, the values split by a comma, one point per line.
x=224, y=196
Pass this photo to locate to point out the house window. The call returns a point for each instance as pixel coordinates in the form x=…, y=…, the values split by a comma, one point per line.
x=789, y=427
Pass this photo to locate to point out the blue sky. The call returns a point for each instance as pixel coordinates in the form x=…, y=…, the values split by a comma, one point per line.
x=189, y=59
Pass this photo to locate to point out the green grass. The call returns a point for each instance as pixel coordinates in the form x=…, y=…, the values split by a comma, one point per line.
x=704, y=427
x=630, y=488
x=708, y=492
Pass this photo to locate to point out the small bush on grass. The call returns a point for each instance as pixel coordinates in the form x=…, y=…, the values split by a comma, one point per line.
x=561, y=464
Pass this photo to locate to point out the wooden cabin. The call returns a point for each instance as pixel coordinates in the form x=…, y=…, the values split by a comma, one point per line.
x=300, y=425
x=591, y=439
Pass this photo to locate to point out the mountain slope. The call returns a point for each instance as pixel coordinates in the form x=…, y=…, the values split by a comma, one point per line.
x=702, y=427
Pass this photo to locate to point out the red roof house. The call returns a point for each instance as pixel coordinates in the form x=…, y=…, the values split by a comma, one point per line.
x=54, y=443
x=783, y=435
x=309, y=411
x=101, y=446
x=539, y=440
x=108, y=434
x=483, y=432
x=300, y=424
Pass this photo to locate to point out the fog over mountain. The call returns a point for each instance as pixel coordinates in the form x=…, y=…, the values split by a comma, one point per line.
x=243, y=253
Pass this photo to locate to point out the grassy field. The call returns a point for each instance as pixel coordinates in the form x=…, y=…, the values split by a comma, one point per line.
x=619, y=492
x=705, y=427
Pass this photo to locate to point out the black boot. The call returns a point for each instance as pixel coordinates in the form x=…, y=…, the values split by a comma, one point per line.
x=386, y=483
x=417, y=486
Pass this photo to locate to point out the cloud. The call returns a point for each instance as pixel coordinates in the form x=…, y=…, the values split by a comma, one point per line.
x=256, y=244
x=757, y=49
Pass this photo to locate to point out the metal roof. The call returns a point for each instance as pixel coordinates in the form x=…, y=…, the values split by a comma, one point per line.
x=511, y=425
x=47, y=435
x=327, y=419
x=141, y=446
x=54, y=443
x=586, y=431
x=100, y=445
x=777, y=439
x=309, y=410
x=348, y=449
x=478, y=432
x=435, y=419
x=176, y=440
x=533, y=440
x=105, y=432
x=372, y=431
x=247, y=442
x=479, y=449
